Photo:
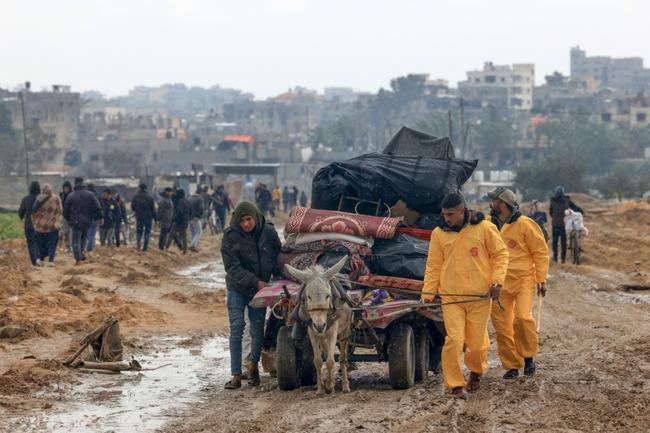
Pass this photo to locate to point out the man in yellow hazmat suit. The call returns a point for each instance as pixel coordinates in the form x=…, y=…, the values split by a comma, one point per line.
x=515, y=327
x=466, y=257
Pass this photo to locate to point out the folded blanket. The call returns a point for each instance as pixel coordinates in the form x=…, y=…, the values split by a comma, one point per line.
x=395, y=282
x=305, y=220
x=304, y=238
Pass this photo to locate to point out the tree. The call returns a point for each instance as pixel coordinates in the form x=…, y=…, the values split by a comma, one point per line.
x=8, y=142
x=494, y=131
x=537, y=181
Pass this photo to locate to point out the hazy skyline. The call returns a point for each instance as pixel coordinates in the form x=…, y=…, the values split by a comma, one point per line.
x=265, y=47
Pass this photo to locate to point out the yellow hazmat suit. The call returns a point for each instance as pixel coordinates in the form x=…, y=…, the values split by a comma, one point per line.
x=465, y=262
x=514, y=326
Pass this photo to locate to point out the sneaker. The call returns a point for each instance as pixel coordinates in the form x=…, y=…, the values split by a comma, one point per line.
x=529, y=367
x=50, y=264
x=39, y=262
x=513, y=373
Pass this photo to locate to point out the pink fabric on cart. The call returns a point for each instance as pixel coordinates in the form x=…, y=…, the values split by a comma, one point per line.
x=305, y=220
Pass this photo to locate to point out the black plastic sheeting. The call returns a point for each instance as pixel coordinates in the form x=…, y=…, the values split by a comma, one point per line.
x=421, y=182
x=403, y=256
x=409, y=142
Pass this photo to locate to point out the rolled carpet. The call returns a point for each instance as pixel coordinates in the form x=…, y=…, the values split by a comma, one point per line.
x=306, y=220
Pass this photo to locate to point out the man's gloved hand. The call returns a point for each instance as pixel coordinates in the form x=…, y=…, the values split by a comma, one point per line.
x=541, y=289
x=495, y=290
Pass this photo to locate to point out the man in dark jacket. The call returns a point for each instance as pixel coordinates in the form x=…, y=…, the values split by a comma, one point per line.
x=66, y=230
x=81, y=210
x=196, y=215
x=560, y=202
x=165, y=216
x=250, y=251
x=178, y=233
x=221, y=203
x=111, y=215
x=121, y=218
x=145, y=212
x=25, y=213
x=94, y=227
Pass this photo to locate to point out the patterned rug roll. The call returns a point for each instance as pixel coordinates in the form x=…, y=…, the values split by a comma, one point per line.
x=306, y=220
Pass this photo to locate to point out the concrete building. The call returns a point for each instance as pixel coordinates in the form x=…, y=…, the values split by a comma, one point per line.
x=631, y=112
x=625, y=76
x=500, y=85
x=56, y=113
x=340, y=94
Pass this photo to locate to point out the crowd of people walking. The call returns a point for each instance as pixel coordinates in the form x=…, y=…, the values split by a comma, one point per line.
x=72, y=219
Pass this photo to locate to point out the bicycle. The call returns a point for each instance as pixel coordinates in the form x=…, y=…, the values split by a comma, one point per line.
x=574, y=241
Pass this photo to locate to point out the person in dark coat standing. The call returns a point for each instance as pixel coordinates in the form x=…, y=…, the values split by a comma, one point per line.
x=286, y=199
x=109, y=214
x=121, y=218
x=178, y=233
x=196, y=214
x=165, y=216
x=94, y=228
x=25, y=214
x=145, y=212
x=250, y=250
x=81, y=210
x=66, y=230
x=560, y=202
x=303, y=199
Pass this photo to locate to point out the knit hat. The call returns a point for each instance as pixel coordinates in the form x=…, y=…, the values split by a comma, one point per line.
x=246, y=208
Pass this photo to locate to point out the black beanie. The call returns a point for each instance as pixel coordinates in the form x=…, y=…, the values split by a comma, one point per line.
x=246, y=208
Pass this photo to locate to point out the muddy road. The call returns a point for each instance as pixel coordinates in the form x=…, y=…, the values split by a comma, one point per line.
x=593, y=369
x=593, y=376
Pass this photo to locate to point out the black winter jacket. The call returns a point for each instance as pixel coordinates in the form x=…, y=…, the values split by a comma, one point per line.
x=25, y=210
x=196, y=206
x=182, y=213
x=143, y=206
x=558, y=205
x=250, y=257
x=165, y=212
x=81, y=209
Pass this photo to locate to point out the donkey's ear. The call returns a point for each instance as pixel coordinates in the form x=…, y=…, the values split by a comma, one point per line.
x=331, y=272
x=301, y=276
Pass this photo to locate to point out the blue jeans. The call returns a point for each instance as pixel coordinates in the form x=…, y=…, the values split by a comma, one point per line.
x=79, y=242
x=47, y=243
x=92, y=231
x=237, y=304
x=143, y=228
x=196, y=230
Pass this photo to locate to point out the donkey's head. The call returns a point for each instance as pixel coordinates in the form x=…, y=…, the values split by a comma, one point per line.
x=317, y=294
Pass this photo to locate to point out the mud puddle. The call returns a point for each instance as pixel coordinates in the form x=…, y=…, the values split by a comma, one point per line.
x=181, y=370
x=137, y=401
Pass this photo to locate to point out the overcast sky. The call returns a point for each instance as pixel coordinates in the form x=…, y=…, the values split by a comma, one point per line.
x=267, y=46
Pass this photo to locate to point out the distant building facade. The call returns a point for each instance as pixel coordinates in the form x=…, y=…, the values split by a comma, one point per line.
x=500, y=86
x=625, y=76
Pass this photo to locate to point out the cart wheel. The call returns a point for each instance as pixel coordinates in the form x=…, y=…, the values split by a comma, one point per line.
x=421, y=354
x=307, y=373
x=401, y=357
x=287, y=362
x=435, y=349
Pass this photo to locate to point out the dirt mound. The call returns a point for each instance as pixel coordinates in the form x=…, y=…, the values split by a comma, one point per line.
x=30, y=375
x=13, y=264
x=202, y=298
x=134, y=277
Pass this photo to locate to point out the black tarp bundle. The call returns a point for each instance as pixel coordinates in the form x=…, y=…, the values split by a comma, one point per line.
x=420, y=181
x=409, y=142
x=403, y=256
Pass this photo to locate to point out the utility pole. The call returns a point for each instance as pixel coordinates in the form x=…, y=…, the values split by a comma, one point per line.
x=22, y=107
x=461, y=138
x=450, y=128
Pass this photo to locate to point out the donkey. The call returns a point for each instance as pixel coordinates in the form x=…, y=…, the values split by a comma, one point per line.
x=329, y=319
